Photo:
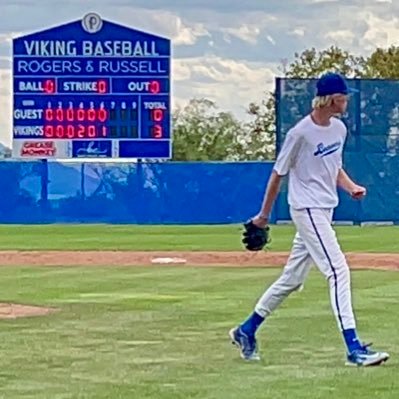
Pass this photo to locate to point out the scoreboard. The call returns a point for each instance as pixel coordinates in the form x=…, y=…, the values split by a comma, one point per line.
x=91, y=88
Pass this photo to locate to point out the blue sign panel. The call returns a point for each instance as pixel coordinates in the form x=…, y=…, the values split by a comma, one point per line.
x=92, y=148
x=91, y=88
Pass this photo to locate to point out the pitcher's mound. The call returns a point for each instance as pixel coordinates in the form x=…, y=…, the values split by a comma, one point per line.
x=14, y=311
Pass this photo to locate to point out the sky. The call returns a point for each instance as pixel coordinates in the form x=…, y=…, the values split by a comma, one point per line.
x=229, y=51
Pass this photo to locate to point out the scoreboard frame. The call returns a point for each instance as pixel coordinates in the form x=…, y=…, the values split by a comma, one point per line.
x=92, y=88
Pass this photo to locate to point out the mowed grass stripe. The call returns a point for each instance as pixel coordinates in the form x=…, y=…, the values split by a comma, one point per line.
x=178, y=238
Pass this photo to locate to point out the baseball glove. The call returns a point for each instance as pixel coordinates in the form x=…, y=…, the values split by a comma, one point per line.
x=254, y=237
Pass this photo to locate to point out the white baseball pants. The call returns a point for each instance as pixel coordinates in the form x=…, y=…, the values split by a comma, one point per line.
x=315, y=242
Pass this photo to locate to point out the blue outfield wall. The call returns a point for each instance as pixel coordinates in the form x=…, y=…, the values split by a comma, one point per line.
x=166, y=193
x=144, y=193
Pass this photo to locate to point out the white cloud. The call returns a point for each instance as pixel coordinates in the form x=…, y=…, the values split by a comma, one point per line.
x=179, y=32
x=231, y=84
x=341, y=36
x=163, y=23
x=271, y=40
x=225, y=70
x=323, y=1
x=180, y=70
x=380, y=32
x=297, y=32
x=247, y=33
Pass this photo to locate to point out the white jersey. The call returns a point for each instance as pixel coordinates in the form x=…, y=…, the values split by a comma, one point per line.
x=312, y=155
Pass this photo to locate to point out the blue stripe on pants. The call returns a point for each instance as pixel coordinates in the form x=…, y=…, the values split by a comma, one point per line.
x=331, y=265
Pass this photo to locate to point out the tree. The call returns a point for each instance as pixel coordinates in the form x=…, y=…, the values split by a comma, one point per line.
x=262, y=130
x=311, y=63
x=203, y=133
x=382, y=63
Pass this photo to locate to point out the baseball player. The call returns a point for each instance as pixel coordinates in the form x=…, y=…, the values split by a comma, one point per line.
x=312, y=156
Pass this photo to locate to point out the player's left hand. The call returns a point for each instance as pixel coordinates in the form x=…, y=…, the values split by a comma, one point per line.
x=358, y=192
x=255, y=237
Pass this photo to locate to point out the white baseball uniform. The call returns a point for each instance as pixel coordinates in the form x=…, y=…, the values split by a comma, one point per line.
x=312, y=156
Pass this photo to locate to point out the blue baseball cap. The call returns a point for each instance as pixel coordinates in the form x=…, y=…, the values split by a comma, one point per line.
x=332, y=83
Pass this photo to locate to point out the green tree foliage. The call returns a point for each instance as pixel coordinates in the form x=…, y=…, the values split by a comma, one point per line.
x=204, y=133
x=261, y=129
x=311, y=63
x=382, y=63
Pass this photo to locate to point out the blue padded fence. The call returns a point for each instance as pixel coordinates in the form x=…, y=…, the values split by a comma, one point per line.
x=170, y=193
x=143, y=193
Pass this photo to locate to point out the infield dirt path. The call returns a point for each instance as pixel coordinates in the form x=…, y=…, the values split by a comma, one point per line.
x=229, y=259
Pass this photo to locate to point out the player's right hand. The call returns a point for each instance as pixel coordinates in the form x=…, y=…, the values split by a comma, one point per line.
x=358, y=192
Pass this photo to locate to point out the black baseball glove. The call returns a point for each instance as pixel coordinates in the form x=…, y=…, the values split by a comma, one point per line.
x=254, y=237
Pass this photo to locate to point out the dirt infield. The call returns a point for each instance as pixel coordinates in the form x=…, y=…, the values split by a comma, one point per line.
x=229, y=259
x=14, y=311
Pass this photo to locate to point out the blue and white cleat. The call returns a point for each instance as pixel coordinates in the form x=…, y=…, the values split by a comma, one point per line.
x=246, y=344
x=365, y=357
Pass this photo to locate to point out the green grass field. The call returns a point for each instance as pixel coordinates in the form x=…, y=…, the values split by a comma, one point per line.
x=193, y=238
x=161, y=332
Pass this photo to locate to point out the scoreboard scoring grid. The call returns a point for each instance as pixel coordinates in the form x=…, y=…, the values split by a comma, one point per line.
x=99, y=93
x=94, y=117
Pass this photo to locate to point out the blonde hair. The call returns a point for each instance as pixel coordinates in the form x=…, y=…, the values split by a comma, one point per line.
x=322, y=101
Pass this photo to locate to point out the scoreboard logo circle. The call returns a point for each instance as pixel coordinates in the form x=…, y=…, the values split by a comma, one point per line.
x=92, y=22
